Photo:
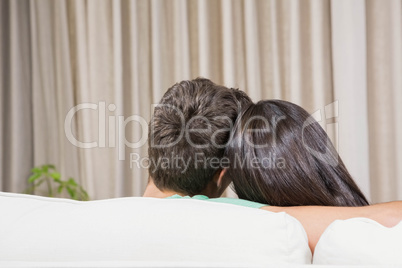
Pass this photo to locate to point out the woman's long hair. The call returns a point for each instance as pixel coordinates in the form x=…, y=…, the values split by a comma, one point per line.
x=279, y=155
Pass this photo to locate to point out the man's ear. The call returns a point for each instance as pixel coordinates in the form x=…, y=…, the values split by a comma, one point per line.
x=221, y=181
x=217, y=185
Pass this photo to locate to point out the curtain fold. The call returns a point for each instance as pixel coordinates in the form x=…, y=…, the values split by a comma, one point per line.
x=384, y=84
x=341, y=60
x=16, y=119
x=349, y=53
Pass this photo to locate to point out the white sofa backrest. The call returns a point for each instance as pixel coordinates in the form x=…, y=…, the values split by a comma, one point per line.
x=147, y=231
x=359, y=241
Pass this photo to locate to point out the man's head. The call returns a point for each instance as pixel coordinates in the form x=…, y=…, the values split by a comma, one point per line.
x=188, y=134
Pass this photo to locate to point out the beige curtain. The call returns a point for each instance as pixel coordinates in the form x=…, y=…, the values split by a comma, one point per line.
x=339, y=59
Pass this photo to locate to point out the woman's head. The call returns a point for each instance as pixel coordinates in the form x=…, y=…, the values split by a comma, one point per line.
x=280, y=156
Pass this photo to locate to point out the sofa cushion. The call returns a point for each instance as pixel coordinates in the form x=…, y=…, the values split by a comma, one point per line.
x=146, y=230
x=359, y=241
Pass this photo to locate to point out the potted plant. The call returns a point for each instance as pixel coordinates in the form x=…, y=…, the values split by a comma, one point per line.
x=55, y=186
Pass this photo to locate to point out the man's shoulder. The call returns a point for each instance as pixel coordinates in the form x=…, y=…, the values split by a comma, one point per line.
x=226, y=200
x=237, y=201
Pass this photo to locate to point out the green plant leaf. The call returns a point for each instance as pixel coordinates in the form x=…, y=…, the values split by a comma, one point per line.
x=85, y=196
x=45, y=168
x=55, y=175
x=70, y=191
x=48, y=173
x=72, y=182
x=60, y=189
x=34, y=177
x=36, y=170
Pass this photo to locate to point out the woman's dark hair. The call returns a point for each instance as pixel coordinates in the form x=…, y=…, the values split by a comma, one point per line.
x=279, y=155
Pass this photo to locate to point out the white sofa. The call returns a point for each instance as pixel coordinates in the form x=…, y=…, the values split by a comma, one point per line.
x=149, y=232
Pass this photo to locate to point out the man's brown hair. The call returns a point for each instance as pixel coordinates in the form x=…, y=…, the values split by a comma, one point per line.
x=188, y=134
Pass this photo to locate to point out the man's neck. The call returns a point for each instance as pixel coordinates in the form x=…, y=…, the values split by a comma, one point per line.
x=153, y=191
x=211, y=190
